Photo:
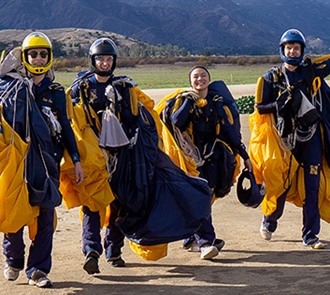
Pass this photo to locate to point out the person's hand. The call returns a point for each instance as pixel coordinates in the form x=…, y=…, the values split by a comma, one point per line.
x=248, y=165
x=78, y=172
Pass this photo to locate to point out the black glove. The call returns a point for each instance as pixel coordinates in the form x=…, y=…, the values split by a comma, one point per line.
x=266, y=108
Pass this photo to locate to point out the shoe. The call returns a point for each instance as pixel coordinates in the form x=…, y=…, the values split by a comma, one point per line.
x=91, y=265
x=208, y=252
x=315, y=243
x=117, y=261
x=187, y=243
x=40, y=280
x=193, y=247
x=318, y=245
x=10, y=273
x=219, y=244
x=265, y=233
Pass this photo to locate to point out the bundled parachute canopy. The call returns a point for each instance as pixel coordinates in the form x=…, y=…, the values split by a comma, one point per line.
x=149, y=186
x=15, y=209
x=94, y=192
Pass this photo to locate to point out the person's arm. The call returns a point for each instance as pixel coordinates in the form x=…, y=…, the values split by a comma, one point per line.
x=230, y=136
x=264, y=94
x=234, y=141
x=321, y=66
x=181, y=115
x=124, y=106
x=68, y=136
x=266, y=108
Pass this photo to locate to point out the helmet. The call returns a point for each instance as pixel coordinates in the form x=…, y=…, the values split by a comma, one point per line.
x=37, y=40
x=251, y=196
x=102, y=46
x=292, y=36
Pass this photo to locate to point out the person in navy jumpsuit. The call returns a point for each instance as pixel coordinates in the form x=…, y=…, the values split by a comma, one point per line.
x=296, y=75
x=204, y=120
x=51, y=102
x=92, y=86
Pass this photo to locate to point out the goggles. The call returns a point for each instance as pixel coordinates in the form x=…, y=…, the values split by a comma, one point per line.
x=99, y=56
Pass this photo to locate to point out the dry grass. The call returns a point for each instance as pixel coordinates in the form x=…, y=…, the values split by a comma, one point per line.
x=175, y=76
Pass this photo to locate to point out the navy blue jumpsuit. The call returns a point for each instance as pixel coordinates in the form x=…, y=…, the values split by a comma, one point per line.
x=204, y=124
x=41, y=248
x=114, y=238
x=308, y=154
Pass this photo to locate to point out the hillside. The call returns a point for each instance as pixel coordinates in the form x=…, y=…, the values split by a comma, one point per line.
x=76, y=42
x=212, y=26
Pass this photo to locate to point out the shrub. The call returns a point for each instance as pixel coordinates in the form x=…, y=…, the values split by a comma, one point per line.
x=246, y=104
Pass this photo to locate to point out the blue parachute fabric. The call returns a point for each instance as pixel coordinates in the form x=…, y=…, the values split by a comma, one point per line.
x=42, y=173
x=43, y=188
x=219, y=88
x=178, y=205
x=160, y=202
x=136, y=163
x=21, y=111
x=325, y=117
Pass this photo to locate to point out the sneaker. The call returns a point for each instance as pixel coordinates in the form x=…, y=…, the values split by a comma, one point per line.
x=40, y=280
x=265, y=233
x=187, y=243
x=91, y=265
x=318, y=245
x=117, y=261
x=219, y=244
x=191, y=244
x=314, y=243
x=208, y=252
x=194, y=247
x=10, y=273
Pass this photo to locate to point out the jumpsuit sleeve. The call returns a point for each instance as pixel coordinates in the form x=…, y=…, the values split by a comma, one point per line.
x=125, y=107
x=231, y=137
x=181, y=115
x=267, y=105
x=67, y=132
x=321, y=67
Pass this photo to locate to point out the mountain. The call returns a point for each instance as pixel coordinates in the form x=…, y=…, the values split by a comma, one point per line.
x=213, y=26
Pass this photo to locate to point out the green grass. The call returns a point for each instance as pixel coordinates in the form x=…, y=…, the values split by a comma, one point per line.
x=176, y=76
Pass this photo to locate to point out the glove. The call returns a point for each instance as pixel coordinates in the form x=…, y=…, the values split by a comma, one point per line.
x=266, y=108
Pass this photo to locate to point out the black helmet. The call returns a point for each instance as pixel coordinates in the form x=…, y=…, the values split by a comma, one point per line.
x=292, y=36
x=251, y=196
x=102, y=46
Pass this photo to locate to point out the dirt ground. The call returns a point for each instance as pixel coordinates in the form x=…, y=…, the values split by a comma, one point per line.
x=246, y=265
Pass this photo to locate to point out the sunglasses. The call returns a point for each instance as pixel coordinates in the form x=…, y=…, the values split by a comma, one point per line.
x=34, y=54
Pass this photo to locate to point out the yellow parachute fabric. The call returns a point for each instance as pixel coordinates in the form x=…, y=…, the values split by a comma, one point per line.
x=94, y=192
x=154, y=252
x=272, y=165
x=15, y=209
x=170, y=146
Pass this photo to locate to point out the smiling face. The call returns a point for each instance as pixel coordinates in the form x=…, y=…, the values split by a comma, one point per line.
x=199, y=79
x=103, y=62
x=292, y=49
x=37, y=56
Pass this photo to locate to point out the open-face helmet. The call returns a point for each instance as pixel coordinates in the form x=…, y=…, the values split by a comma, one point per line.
x=292, y=36
x=251, y=195
x=102, y=46
x=37, y=40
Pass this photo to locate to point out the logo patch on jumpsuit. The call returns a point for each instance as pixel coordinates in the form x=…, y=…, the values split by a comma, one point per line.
x=314, y=169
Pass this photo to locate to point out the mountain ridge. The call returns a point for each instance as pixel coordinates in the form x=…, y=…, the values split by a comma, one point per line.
x=218, y=27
